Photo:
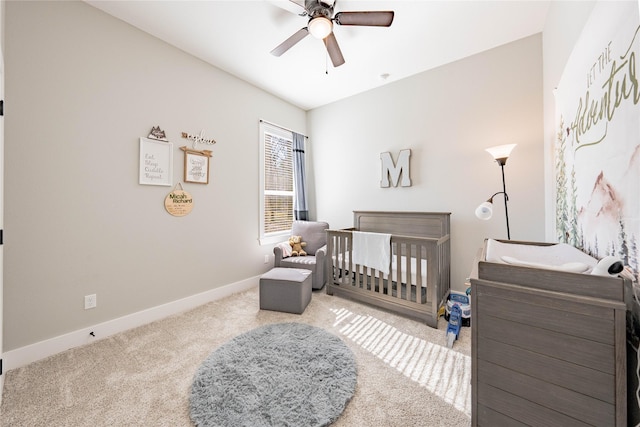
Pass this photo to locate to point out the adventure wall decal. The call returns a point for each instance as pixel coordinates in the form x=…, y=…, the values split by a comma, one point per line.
x=597, y=146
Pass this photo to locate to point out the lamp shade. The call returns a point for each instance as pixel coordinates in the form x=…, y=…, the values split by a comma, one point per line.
x=485, y=210
x=320, y=27
x=501, y=152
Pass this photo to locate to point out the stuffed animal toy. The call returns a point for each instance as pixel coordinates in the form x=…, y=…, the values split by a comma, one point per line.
x=296, y=246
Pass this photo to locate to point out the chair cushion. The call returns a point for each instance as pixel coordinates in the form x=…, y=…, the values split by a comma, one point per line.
x=307, y=262
x=312, y=232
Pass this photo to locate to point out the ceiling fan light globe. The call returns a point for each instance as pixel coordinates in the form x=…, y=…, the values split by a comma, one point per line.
x=320, y=27
x=485, y=210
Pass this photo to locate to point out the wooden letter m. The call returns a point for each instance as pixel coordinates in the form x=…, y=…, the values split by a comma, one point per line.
x=393, y=170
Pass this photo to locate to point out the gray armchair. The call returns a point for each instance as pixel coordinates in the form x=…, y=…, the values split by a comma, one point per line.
x=314, y=233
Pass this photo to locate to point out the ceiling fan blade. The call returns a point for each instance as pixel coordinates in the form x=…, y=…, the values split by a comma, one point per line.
x=372, y=19
x=288, y=43
x=334, y=50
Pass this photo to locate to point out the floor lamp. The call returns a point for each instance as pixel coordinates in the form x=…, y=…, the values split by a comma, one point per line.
x=500, y=153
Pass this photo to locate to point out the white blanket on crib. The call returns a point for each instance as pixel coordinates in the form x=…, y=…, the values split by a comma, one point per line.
x=372, y=250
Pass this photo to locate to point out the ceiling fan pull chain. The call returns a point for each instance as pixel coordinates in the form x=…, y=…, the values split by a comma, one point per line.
x=326, y=64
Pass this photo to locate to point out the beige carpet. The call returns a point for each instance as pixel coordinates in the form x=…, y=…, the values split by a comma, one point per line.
x=142, y=377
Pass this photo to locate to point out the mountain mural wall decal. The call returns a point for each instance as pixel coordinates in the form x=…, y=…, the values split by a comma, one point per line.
x=601, y=215
x=597, y=146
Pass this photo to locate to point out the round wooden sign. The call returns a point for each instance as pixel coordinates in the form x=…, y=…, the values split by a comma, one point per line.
x=178, y=203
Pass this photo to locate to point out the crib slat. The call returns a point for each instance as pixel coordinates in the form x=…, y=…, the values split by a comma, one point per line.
x=407, y=270
x=343, y=245
x=341, y=241
x=349, y=266
x=398, y=271
x=419, y=272
x=398, y=279
x=348, y=270
x=433, y=261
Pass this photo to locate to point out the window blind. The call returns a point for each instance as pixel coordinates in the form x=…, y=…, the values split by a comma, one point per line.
x=278, y=183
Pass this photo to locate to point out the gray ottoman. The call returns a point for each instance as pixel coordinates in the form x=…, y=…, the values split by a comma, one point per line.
x=285, y=289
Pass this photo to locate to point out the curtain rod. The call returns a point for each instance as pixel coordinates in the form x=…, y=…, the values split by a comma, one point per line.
x=281, y=127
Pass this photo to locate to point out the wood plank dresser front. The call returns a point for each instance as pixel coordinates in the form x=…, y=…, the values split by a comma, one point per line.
x=548, y=348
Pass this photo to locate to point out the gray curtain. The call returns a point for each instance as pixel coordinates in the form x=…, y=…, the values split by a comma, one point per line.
x=300, y=210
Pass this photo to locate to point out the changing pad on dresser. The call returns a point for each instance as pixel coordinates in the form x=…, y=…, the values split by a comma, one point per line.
x=560, y=256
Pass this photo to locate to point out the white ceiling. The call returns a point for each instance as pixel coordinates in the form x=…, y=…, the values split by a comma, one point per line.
x=238, y=35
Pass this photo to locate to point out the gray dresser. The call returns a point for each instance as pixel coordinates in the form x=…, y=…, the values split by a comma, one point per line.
x=548, y=348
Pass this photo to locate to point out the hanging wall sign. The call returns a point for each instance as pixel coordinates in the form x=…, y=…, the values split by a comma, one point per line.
x=178, y=202
x=198, y=138
x=158, y=134
x=196, y=165
x=156, y=162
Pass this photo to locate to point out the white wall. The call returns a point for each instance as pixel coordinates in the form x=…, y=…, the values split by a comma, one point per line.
x=81, y=88
x=447, y=117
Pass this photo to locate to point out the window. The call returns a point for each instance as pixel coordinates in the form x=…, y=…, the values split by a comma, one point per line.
x=276, y=183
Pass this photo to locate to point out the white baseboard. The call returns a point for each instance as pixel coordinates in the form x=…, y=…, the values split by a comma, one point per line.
x=24, y=355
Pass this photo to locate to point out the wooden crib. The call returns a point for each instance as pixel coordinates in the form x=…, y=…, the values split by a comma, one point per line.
x=418, y=282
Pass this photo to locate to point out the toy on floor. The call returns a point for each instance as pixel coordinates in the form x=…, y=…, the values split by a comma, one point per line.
x=462, y=299
x=453, y=328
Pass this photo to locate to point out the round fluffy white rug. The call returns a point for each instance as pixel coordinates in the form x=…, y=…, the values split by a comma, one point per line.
x=283, y=374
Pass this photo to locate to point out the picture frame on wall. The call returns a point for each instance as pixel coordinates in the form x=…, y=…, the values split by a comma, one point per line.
x=156, y=162
x=196, y=165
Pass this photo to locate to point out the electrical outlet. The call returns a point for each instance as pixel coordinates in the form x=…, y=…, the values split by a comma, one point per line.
x=266, y=259
x=90, y=301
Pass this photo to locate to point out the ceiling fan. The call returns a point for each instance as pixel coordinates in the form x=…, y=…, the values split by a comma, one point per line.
x=320, y=25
